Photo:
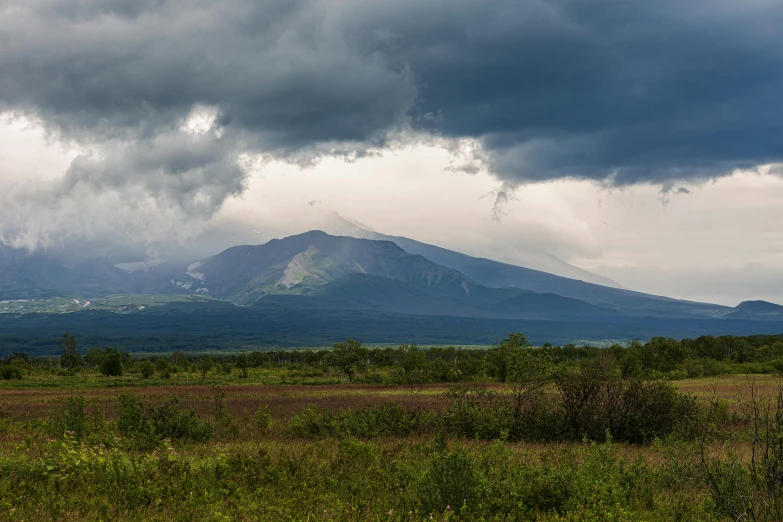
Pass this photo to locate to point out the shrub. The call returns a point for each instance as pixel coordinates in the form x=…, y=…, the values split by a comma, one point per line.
x=163, y=368
x=742, y=488
x=9, y=372
x=449, y=482
x=349, y=357
x=596, y=402
x=262, y=418
x=130, y=415
x=312, y=422
x=70, y=418
x=169, y=421
x=476, y=412
x=204, y=366
x=111, y=365
x=146, y=369
x=649, y=410
x=242, y=364
x=389, y=419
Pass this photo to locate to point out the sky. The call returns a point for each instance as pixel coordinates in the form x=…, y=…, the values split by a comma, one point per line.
x=638, y=140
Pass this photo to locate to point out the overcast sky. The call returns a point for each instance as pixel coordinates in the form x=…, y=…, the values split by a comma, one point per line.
x=639, y=140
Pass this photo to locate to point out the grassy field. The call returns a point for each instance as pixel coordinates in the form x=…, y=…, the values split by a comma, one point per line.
x=254, y=450
x=36, y=399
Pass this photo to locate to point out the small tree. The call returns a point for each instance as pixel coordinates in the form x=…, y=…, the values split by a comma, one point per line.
x=93, y=357
x=411, y=361
x=147, y=369
x=527, y=373
x=112, y=363
x=70, y=358
x=242, y=364
x=180, y=359
x=204, y=365
x=349, y=357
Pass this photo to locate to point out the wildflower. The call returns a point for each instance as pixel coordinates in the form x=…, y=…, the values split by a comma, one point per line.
x=391, y=511
x=448, y=508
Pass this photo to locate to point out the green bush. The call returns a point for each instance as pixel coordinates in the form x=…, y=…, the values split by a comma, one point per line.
x=131, y=419
x=313, y=422
x=476, y=412
x=111, y=365
x=167, y=421
x=262, y=418
x=9, y=372
x=146, y=369
x=449, y=483
x=388, y=419
x=71, y=417
x=649, y=410
x=597, y=402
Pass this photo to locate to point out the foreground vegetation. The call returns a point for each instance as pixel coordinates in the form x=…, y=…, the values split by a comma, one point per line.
x=511, y=433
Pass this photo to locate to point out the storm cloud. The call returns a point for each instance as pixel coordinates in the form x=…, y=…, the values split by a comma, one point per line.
x=618, y=92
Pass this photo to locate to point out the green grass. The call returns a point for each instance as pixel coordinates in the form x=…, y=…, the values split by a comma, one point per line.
x=64, y=466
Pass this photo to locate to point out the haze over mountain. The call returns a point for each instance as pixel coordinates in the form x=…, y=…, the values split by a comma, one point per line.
x=318, y=288
x=304, y=264
x=533, y=258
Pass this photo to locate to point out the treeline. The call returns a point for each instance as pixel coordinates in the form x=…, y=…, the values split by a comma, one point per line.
x=660, y=357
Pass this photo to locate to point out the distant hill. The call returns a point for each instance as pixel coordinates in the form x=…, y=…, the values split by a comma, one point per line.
x=41, y=274
x=757, y=310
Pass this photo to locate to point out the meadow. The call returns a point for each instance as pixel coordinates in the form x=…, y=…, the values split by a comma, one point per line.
x=530, y=436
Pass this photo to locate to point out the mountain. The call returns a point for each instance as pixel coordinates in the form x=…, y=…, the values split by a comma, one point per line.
x=60, y=272
x=301, y=263
x=374, y=293
x=543, y=264
x=312, y=264
x=494, y=274
x=339, y=268
x=348, y=273
x=757, y=310
x=313, y=289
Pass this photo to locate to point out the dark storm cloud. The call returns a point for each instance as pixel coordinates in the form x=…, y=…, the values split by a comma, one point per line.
x=631, y=91
x=618, y=91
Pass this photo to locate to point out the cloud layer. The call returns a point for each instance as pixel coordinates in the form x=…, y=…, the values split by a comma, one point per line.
x=617, y=92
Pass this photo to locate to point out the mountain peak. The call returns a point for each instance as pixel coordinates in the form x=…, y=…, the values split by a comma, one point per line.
x=299, y=264
x=759, y=306
x=529, y=258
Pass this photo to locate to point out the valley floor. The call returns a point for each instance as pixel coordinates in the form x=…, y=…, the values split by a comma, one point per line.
x=264, y=458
